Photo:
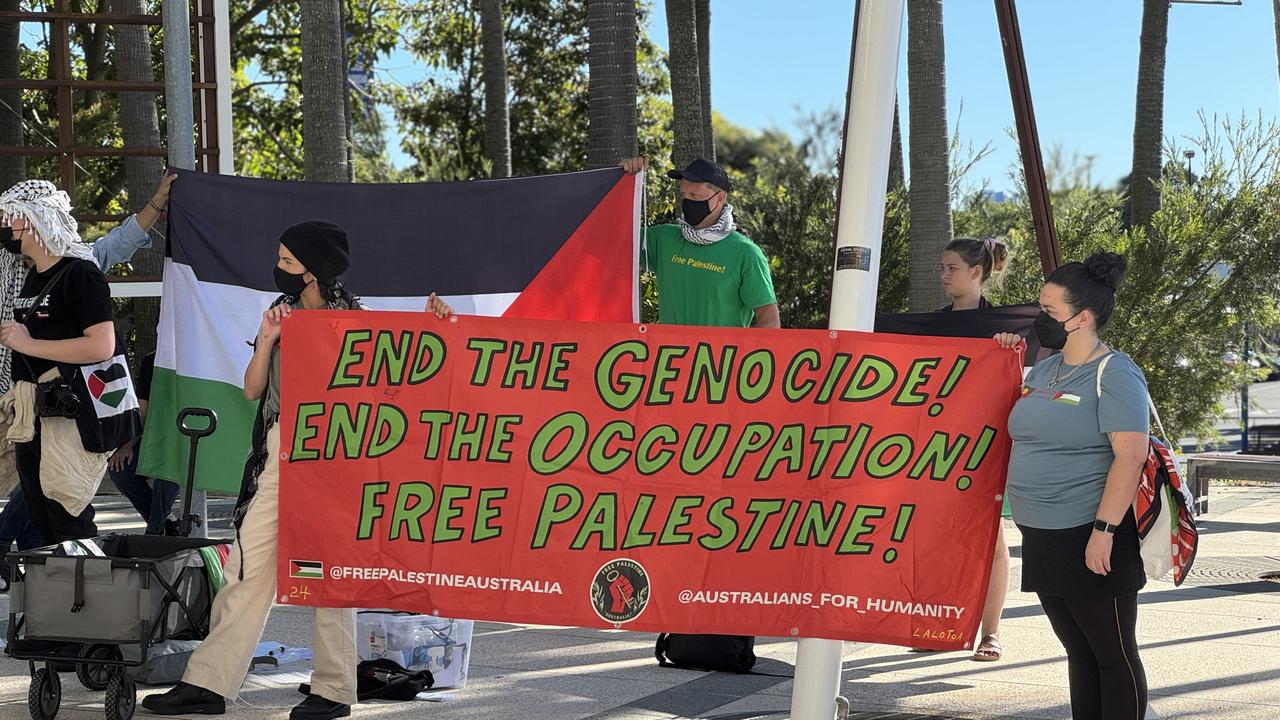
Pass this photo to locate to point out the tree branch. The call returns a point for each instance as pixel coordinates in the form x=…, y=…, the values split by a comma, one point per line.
x=254, y=11
x=286, y=151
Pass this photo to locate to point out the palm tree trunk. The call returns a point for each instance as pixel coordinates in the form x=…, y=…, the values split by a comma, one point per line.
x=497, y=113
x=13, y=168
x=612, y=90
x=686, y=88
x=930, y=196
x=324, y=87
x=702, y=8
x=1148, y=124
x=140, y=127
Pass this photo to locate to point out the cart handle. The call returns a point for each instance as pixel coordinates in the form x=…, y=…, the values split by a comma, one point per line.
x=194, y=432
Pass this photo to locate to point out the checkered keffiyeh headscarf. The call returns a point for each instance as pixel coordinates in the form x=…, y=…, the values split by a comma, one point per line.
x=48, y=210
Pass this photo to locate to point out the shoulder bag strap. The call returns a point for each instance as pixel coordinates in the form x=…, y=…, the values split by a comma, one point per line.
x=1151, y=404
x=26, y=319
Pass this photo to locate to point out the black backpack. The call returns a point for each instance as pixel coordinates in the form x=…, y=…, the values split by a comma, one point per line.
x=384, y=679
x=723, y=653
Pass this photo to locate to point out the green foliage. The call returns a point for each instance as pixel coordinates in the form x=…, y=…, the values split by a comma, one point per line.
x=785, y=200
x=267, y=93
x=442, y=116
x=1209, y=266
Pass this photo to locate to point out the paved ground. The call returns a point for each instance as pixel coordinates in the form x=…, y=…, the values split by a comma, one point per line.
x=1211, y=648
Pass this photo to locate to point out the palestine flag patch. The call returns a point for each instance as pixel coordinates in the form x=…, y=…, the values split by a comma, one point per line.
x=110, y=387
x=306, y=569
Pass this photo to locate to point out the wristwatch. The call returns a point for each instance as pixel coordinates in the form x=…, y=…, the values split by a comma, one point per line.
x=1104, y=526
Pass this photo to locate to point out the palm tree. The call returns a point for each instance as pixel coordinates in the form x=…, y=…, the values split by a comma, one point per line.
x=497, y=112
x=611, y=57
x=1148, y=124
x=686, y=87
x=930, y=195
x=325, y=140
x=13, y=168
x=702, y=9
x=140, y=127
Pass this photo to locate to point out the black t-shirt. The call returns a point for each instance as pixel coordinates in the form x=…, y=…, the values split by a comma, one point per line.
x=142, y=385
x=983, y=304
x=80, y=300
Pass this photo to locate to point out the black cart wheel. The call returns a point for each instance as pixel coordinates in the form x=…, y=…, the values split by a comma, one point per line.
x=94, y=675
x=45, y=695
x=121, y=696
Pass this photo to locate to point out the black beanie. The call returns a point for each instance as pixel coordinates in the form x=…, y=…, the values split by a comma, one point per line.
x=321, y=247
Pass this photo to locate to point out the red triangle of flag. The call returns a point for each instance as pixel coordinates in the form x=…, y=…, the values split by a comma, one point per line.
x=593, y=276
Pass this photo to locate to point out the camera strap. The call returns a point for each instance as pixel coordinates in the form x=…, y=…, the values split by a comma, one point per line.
x=31, y=311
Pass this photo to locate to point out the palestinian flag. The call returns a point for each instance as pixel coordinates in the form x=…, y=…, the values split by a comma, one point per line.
x=550, y=247
x=110, y=387
x=306, y=569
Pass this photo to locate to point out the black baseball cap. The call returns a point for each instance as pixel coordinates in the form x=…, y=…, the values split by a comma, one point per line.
x=703, y=171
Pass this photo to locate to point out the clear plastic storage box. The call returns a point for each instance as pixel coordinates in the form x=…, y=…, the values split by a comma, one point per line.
x=417, y=642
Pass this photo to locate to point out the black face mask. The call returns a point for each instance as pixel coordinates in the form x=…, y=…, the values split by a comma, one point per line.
x=10, y=243
x=290, y=283
x=695, y=211
x=1051, y=333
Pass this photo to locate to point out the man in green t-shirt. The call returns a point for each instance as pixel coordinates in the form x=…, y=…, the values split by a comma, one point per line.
x=708, y=273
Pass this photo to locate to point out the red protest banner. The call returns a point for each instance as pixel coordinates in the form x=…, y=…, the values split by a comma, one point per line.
x=659, y=478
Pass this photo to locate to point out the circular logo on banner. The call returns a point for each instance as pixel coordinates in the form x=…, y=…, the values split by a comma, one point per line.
x=620, y=591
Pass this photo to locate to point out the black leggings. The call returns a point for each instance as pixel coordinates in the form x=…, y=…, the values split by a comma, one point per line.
x=1106, y=676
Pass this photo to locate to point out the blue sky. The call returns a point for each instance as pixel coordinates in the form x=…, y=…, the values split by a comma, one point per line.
x=769, y=58
x=773, y=61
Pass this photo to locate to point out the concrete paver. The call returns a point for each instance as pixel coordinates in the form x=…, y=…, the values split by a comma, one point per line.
x=1211, y=649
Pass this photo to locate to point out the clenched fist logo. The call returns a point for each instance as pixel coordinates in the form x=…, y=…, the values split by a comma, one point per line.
x=620, y=591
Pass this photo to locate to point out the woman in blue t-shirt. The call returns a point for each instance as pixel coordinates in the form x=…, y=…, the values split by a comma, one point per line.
x=1079, y=443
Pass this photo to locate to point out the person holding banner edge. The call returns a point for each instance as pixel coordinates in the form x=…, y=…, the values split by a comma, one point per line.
x=117, y=246
x=968, y=266
x=708, y=272
x=311, y=258
x=1080, y=439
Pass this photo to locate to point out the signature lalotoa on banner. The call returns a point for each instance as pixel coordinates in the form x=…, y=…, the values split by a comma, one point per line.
x=655, y=478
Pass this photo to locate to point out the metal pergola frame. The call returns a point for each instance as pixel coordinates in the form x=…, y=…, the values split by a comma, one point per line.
x=204, y=86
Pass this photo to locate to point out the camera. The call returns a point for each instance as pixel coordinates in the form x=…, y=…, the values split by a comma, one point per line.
x=55, y=398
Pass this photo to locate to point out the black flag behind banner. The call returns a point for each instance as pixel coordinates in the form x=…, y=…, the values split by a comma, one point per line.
x=970, y=323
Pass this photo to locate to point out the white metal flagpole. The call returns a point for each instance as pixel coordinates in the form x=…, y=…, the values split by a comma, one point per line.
x=864, y=175
x=222, y=71
x=865, y=168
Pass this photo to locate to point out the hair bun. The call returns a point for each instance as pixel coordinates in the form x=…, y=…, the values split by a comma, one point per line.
x=1107, y=268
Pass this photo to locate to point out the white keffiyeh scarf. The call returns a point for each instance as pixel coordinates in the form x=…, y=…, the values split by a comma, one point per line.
x=48, y=210
x=711, y=234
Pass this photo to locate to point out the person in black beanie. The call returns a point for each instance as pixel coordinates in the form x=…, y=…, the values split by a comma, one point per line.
x=312, y=257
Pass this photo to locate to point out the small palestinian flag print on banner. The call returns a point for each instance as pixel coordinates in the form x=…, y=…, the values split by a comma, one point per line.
x=110, y=387
x=306, y=569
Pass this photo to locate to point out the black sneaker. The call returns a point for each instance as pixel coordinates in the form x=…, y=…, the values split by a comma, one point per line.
x=186, y=699
x=317, y=708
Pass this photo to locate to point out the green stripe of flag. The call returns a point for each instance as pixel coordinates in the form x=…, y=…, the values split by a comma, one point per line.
x=220, y=461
